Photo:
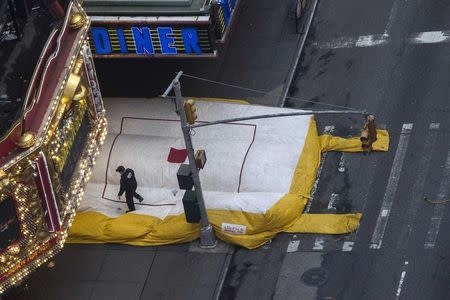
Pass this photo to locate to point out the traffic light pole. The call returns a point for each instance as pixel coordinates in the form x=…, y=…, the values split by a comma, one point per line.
x=280, y=115
x=207, y=236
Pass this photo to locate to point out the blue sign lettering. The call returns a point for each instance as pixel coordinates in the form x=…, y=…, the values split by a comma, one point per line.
x=122, y=42
x=190, y=40
x=167, y=41
x=119, y=40
x=101, y=40
x=143, y=40
x=226, y=11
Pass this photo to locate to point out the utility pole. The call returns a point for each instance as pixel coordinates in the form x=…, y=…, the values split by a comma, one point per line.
x=207, y=236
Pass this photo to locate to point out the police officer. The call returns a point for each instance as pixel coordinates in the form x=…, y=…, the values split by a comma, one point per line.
x=128, y=185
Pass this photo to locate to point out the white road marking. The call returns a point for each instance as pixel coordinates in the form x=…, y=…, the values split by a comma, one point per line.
x=417, y=188
x=342, y=163
x=392, y=14
x=352, y=42
x=430, y=37
x=327, y=130
x=293, y=246
x=391, y=189
x=347, y=246
x=333, y=199
x=439, y=209
x=401, y=281
x=372, y=40
x=318, y=243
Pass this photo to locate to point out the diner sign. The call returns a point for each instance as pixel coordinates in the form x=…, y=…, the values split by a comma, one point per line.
x=149, y=40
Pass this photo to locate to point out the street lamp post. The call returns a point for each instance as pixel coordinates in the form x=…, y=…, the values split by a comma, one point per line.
x=207, y=237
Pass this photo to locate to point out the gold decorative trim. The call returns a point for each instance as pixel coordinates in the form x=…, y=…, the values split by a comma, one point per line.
x=78, y=66
x=72, y=85
x=26, y=140
x=77, y=20
x=81, y=94
x=4, y=180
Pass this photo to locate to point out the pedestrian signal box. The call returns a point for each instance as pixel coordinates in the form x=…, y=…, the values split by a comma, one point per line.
x=191, y=208
x=185, y=180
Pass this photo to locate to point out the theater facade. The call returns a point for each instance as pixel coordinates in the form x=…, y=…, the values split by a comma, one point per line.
x=52, y=124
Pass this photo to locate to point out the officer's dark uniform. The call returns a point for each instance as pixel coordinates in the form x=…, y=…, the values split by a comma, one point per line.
x=128, y=185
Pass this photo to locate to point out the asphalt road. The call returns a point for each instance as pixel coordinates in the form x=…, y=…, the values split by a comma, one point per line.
x=375, y=55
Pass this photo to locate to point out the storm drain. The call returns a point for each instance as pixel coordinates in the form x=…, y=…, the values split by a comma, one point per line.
x=315, y=276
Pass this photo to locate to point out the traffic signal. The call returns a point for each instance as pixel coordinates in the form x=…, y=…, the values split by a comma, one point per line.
x=191, y=208
x=191, y=111
x=184, y=176
x=368, y=133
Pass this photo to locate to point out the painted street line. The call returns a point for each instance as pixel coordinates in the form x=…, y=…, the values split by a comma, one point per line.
x=439, y=209
x=372, y=40
x=430, y=37
x=355, y=42
x=417, y=189
x=308, y=243
x=293, y=246
x=327, y=130
x=342, y=167
x=333, y=199
x=391, y=189
x=347, y=246
x=392, y=15
x=319, y=243
x=401, y=281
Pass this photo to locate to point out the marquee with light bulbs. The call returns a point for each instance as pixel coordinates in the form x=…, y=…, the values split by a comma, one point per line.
x=46, y=157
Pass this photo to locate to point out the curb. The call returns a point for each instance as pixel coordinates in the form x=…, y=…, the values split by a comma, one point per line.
x=223, y=275
x=287, y=86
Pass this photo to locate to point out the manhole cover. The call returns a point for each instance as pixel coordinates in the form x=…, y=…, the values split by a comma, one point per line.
x=315, y=277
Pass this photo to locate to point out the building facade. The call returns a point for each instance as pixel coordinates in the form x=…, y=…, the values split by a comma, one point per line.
x=52, y=125
x=159, y=28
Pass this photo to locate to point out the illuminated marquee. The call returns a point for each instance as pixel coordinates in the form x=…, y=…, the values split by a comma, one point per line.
x=150, y=40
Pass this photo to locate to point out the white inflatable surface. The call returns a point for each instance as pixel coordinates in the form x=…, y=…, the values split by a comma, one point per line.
x=249, y=164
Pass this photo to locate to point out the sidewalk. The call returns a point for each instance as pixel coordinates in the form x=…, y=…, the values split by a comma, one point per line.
x=127, y=273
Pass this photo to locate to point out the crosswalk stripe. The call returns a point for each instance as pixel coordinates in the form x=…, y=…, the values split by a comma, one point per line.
x=417, y=189
x=293, y=246
x=347, y=246
x=439, y=209
x=391, y=188
x=319, y=243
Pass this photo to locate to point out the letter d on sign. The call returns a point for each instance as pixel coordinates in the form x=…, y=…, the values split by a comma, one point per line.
x=101, y=40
